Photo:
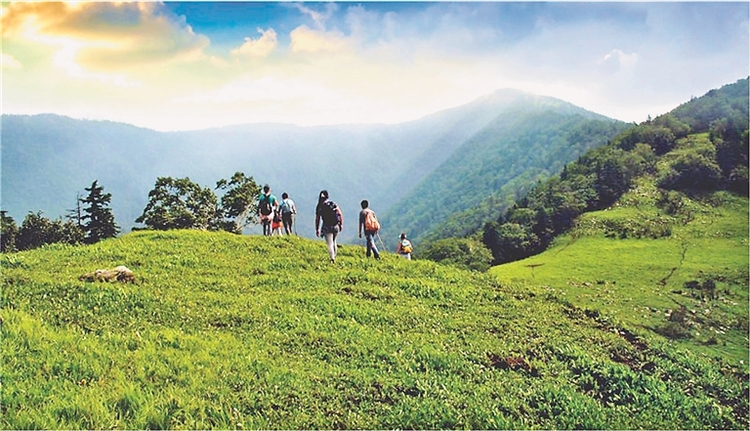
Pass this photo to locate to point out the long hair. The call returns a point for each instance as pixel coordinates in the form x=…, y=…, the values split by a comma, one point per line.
x=322, y=197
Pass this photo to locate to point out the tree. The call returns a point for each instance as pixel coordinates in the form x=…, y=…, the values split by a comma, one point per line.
x=238, y=205
x=461, y=252
x=180, y=204
x=38, y=230
x=8, y=232
x=510, y=241
x=691, y=171
x=101, y=221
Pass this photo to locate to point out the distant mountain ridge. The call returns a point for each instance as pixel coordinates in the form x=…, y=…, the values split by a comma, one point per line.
x=47, y=159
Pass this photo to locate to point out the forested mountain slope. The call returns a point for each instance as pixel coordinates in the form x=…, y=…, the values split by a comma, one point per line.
x=700, y=147
x=534, y=138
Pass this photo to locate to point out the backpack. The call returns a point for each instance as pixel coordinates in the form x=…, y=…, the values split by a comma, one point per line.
x=265, y=205
x=286, y=207
x=371, y=221
x=406, y=246
x=329, y=214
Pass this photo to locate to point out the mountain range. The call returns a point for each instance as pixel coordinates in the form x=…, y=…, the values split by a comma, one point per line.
x=417, y=174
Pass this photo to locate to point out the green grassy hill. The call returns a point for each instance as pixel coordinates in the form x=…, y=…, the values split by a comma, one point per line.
x=225, y=331
x=641, y=265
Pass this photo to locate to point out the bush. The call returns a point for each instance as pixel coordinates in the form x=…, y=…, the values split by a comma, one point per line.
x=690, y=171
x=461, y=252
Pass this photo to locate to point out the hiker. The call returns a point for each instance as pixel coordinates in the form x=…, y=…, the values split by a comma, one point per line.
x=404, y=248
x=267, y=203
x=371, y=225
x=332, y=220
x=276, y=223
x=288, y=212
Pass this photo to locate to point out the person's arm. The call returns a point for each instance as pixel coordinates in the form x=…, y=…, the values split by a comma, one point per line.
x=361, y=222
x=317, y=224
x=341, y=219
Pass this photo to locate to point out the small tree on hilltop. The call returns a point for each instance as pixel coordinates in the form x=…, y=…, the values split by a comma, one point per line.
x=238, y=202
x=180, y=204
x=100, y=220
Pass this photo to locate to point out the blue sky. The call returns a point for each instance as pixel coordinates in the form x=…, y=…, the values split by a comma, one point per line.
x=190, y=65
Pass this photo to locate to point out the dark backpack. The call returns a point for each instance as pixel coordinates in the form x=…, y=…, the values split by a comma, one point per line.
x=329, y=214
x=265, y=205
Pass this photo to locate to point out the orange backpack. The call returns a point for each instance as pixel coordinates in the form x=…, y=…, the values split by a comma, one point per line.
x=371, y=222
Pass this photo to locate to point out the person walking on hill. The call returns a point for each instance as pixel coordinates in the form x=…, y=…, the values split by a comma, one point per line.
x=276, y=224
x=371, y=225
x=404, y=248
x=329, y=221
x=288, y=212
x=267, y=204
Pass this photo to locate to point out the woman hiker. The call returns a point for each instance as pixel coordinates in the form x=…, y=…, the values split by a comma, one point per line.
x=329, y=221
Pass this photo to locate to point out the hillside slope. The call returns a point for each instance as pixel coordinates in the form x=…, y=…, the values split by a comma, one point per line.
x=225, y=331
x=533, y=139
x=642, y=265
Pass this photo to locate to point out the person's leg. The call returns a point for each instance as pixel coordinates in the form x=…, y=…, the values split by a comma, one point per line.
x=331, y=244
x=266, y=227
x=370, y=237
x=287, y=219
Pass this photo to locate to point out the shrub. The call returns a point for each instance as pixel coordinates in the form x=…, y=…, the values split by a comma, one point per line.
x=461, y=252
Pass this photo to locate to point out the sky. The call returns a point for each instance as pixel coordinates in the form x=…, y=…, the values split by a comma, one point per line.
x=194, y=65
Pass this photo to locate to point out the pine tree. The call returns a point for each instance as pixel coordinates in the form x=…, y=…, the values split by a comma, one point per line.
x=100, y=222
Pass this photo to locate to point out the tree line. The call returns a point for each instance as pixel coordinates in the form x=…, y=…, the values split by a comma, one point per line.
x=173, y=204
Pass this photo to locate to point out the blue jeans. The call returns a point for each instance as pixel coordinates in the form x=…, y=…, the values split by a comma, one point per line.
x=371, y=247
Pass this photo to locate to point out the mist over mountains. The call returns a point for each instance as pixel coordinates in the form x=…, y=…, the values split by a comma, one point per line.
x=477, y=150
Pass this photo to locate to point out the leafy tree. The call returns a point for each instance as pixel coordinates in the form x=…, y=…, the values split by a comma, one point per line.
x=461, y=252
x=8, y=232
x=510, y=241
x=691, y=171
x=38, y=230
x=180, y=204
x=238, y=202
x=101, y=221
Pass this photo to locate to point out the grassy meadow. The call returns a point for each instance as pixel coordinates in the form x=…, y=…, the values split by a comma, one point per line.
x=641, y=266
x=248, y=332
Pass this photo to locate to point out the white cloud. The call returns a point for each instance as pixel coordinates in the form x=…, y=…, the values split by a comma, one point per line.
x=259, y=47
x=617, y=61
x=305, y=39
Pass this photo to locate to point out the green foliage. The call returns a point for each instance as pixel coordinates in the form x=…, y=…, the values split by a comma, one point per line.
x=464, y=253
x=595, y=181
x=8, y=232
x=101, y=222
x=238, y=202
x=37, y=230
x=226, y=331
x=179, y=204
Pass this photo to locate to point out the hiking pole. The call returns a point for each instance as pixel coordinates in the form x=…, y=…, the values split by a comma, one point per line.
x=381, y=240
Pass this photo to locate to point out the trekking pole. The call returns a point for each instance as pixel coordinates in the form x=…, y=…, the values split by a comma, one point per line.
x=381, y=240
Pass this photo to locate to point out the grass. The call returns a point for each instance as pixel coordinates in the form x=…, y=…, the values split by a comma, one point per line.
x=238, y=332
x=643, y=282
